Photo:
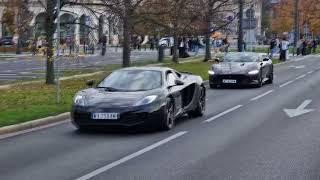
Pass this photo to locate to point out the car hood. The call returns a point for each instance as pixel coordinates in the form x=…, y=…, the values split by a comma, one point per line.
x=234, y=67
x=106, y=99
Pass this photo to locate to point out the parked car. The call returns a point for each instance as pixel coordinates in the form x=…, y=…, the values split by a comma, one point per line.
x=6, y=41
x=146, y=96
x=241, y=68
x=166, y=42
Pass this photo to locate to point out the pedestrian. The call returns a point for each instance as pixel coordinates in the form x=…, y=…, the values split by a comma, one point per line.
x=151, y=44
x=277, y=45
x=103, y=43
x=34, y=47
x=299, y=47
x=284, y=47
x=273, y=46
x=304, y=47
x=314, y=45
x=183, y=48
x=226, y=45
x=309, y=47
x=196, y=46
x=215, y=46
x=139, y=41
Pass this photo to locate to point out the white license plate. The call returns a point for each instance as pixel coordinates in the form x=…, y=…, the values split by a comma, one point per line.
x=107, y=116
x=229, y=81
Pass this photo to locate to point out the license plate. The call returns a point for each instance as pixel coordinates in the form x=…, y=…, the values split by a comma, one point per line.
x=107, y=116
x=229, y=81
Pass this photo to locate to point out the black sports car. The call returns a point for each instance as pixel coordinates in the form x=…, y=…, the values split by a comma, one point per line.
x=152, y=96
x=241, y=68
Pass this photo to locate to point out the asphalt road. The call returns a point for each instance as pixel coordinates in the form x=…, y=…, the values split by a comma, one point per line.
x=24, y=68
x=245, y=134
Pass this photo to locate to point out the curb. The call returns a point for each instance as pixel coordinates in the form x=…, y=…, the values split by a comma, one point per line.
x=34, y=124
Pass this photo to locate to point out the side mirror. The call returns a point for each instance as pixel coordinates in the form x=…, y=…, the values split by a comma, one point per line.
x=179, y=82
x=90, y=83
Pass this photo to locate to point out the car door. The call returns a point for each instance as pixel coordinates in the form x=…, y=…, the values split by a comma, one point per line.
x=175, y=91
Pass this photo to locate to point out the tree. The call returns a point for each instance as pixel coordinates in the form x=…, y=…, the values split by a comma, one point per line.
x=16, y=19
x=127, y=11
x=309, y=14
x=23, y=19
x=51, y=15
x=216, y=18
x=8, y=20
x=173, y=17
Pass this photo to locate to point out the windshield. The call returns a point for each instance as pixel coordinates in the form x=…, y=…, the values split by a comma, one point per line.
x=241, y=57
x=132, y=80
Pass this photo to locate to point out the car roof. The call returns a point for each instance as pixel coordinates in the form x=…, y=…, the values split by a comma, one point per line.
x=148, y=68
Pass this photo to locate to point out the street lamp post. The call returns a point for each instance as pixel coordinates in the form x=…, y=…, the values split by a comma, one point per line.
x=296, y=24
x=240, y=30
x=58, y=89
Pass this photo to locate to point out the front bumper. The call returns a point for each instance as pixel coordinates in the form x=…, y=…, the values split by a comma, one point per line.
x=129, y=117
x=241, y=79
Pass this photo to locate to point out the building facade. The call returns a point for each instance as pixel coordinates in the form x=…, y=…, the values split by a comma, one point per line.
x=79, y=24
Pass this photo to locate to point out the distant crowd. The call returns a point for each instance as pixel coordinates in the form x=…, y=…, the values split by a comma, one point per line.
x=281, y=46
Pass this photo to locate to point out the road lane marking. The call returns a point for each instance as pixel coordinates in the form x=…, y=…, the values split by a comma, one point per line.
x=300, y=110
x=287, y=83
x=8, y=74
x=223, y=113
x=131, y=156
x=310, y=72
x=300, y=77
x=262, y=95
x=298, y=67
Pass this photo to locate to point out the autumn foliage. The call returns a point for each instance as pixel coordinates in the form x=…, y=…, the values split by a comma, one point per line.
x=309, y=14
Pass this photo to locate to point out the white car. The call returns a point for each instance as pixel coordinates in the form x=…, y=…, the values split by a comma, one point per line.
x=166, y=41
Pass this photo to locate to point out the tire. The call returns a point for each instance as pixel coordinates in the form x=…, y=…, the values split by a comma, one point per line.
x=260, y=81
x=201, y=104
x=270, y=78
x=168, y=120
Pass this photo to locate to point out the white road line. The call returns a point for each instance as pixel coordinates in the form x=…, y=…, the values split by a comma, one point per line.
x=223, y=113
x=287, y=83
x=25, y=72
x=131, y=156
x=262, y=95
x=8, y=74
x=310, y=72
x=300, y=77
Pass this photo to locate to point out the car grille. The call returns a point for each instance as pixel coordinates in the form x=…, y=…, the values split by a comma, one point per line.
x=241, y=79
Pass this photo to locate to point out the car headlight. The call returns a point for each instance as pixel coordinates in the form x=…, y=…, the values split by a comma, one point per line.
x=79, y=100
x=254, y=72
x=146, y=100
x=211, y=72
